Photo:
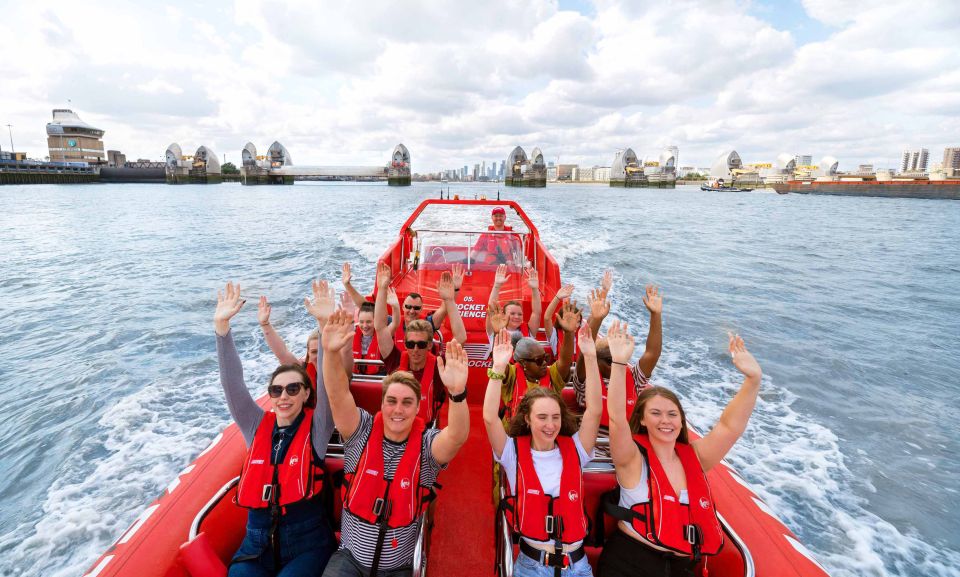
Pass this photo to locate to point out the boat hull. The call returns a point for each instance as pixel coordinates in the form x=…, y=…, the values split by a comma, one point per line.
x=932, y=189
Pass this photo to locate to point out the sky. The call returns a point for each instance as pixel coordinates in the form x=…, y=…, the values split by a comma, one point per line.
x=342, y=83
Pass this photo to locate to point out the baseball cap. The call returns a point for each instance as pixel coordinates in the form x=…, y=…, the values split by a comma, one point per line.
x=498, y=210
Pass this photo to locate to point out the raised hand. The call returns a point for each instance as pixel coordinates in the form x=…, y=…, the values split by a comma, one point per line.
x=263, y=312
x=742, y=359
x=383, y=276
x=565, y=292
x=502, y=350
x=569, y=316
x=599, y=305
x=346, y=274
x=585, y=341
x=653, y=299
x=457, y=271
x=498, y=318
x=532, y=280
x=445, y=286
x=621, y=342
x=501, y=276
x=453, y=369
x=347, y=304
x=392, y=299
x=337, y=332
x=229, y=304
x=323, y=303
x=607, y=282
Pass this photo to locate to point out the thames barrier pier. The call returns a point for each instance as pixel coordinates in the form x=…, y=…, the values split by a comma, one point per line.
x=276, y=167
x=527, y=172
x=201, y=168
x=628, y=172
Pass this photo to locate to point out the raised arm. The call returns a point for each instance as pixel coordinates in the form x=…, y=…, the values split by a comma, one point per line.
x=626, y=456
x=569, y=323
x=502, y=353
x=590, y=423
x=346, y=275
x=322, y=416
x=651, y=354
x=733, y=421
x=599, y=308
x=274, y=341
x=445, y=288
x=396, y=313
x=244, y=410
x=536, y=306
x=499, y=278
x=453, y=372
x=384, y=334
x=456, y=272
x=564, y=293
x=336, y=334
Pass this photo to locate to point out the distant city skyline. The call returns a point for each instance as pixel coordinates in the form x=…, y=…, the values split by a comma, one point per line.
x=342, y=84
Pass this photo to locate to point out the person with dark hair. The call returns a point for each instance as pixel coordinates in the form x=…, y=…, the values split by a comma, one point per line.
x=662, y=474
x=638, y=374
x=365, y=346
x=287, y=533
x=413, y=307
x=391, y=460
x=542, y=453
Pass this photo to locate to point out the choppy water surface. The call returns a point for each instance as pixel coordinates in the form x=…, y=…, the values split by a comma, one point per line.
x=108, y=372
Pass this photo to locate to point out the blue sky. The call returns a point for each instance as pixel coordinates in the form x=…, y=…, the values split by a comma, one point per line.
x=459, y=83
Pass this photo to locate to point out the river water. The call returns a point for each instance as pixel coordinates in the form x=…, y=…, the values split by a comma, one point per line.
x=109, y=379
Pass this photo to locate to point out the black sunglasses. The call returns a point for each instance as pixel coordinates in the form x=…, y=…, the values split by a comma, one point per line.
x=541, y=360
x=412, y=307
x=292, y=389
x=416, y=344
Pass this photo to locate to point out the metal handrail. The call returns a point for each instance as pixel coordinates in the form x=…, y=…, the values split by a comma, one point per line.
x=201, y=515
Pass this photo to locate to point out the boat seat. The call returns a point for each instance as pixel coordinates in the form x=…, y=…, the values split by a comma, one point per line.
x=367, y=394
x=200, y=559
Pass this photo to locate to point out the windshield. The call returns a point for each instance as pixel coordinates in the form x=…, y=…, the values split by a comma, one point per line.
x=447, y=234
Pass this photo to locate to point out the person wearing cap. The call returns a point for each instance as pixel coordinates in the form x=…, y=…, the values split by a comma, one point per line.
x=496, y=248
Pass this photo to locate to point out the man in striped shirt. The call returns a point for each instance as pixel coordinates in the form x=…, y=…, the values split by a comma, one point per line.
x=380, y=539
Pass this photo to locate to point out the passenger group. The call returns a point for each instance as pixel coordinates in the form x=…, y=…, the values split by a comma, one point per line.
x=542, y=432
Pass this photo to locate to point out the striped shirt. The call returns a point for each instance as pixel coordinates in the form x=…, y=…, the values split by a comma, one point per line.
x=360, y=537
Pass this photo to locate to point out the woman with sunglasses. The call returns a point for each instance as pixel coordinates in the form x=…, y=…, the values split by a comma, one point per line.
x=662, y=474
x=542, y=453
x=287, y=533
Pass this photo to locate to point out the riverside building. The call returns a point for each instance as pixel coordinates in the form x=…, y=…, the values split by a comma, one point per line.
x=70, y=139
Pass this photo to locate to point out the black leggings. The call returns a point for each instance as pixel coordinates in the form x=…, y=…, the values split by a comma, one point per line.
x=624, y=556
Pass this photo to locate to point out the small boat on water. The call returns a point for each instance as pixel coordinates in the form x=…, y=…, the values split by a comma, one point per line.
x=709, y=188
x=194, y=527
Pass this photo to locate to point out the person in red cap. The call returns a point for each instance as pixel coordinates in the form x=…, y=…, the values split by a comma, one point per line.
x=496, y=248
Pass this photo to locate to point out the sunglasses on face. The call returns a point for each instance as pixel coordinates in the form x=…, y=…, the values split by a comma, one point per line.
x=292, y=389
x=416, y=344
x=412, y=307
x=541, y=360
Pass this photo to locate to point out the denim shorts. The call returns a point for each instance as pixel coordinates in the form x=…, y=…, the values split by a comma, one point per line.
x=307, y=544
x=528, y=567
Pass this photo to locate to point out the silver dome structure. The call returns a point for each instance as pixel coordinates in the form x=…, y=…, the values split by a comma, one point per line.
x=173, y=155
x=400, y=156
x=828, y=166
x=623, y=159
x=249, y=154
x=668, y=161
x=786, y=163
x=516, y=159
x=725, y=164
x=536, y=158
x=208, y=159
x=278, y=156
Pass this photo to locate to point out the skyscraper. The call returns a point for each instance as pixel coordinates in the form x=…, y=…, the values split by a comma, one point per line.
x=803, y=159
x=951, y=162
x=914, y=160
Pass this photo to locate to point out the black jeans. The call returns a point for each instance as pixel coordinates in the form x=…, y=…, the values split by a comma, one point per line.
x=343, y=564
x=624, y=556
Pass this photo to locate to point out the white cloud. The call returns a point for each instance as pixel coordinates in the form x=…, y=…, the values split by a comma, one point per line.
x=342, y=83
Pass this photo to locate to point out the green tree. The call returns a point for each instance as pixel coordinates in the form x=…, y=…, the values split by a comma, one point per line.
x=229, y=168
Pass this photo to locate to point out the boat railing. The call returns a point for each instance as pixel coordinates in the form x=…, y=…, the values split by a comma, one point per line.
x=205, y=510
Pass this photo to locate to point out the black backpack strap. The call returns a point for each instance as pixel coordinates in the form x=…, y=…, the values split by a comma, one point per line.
x=611, y=506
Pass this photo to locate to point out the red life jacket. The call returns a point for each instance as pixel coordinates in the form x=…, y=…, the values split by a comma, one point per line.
x=374, y=499
x=631, y=391
x=520, y=385
x=663, y=521
x=373, y=354
x=427, y=409
x=490, y=242
x=298, y=478
x=537, y=515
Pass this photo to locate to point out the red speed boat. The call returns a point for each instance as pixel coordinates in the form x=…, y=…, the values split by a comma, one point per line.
x=194, y=527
